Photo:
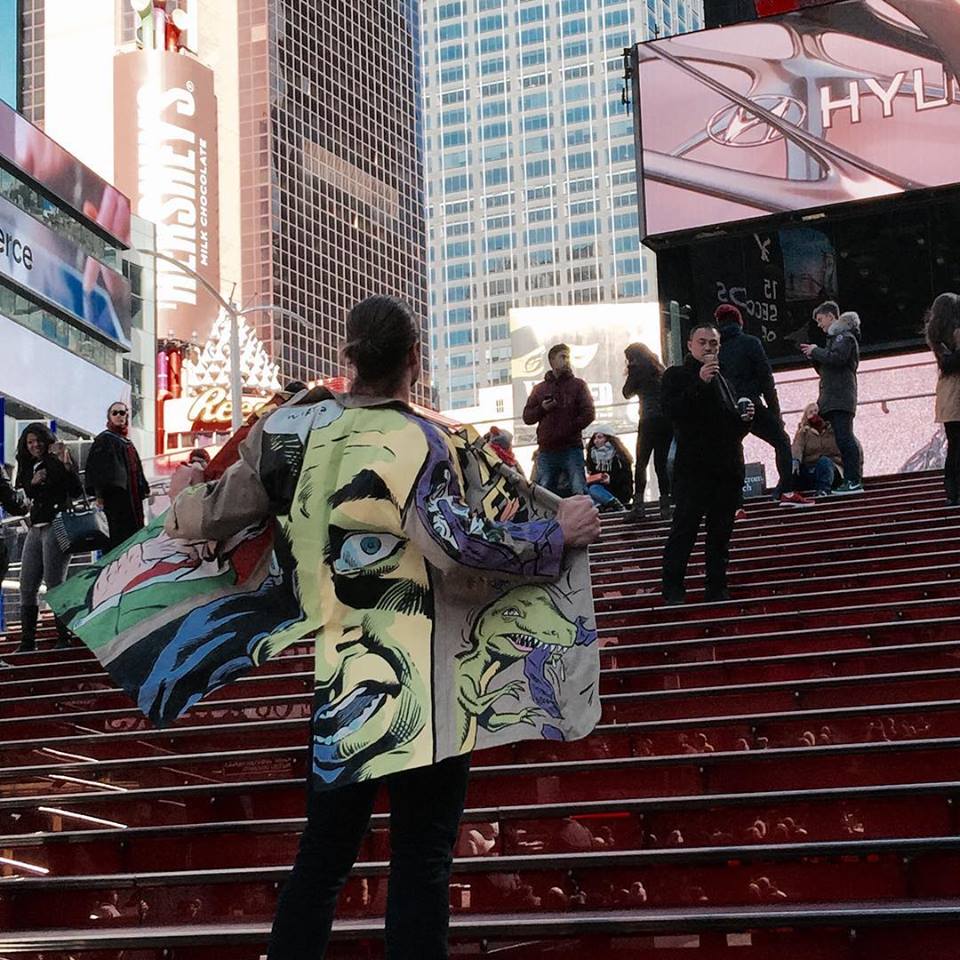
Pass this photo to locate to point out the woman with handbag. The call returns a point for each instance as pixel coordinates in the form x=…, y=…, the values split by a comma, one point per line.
x=48, y=477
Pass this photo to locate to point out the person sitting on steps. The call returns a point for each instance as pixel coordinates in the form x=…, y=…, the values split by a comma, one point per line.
x=609, y=469
x=816, y=455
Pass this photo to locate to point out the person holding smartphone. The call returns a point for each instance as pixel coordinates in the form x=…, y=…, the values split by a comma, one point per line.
x=709, y=424
x=48, y=477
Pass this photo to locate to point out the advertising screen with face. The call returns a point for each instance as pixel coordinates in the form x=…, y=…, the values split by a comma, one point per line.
x=826, y=105
x=31, y=152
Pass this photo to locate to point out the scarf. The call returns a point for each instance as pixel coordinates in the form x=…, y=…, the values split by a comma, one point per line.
x=603, y=456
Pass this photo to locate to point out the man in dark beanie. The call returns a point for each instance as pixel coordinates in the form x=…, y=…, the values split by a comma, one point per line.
x=745, y=364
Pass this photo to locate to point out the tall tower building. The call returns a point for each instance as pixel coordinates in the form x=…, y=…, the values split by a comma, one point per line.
x=531, y=184
x=320, y=145
x=331, y=170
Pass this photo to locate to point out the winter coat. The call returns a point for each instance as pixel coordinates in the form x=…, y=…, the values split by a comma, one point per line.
x=107, y=467
x=646, y=388
x=620, y=471
x=746, y=367
x=809, y=445
x=390, y=552
x=707, y=425
x=562, y=426
x=947, y=409
x=837, y=364
x=50, y=497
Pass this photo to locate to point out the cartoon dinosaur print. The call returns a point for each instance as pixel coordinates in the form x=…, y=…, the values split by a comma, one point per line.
x=523, y=624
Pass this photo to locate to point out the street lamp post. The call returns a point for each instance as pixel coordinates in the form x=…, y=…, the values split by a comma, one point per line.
x=236, y=384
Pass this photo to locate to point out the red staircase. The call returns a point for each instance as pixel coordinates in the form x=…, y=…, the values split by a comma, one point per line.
x=774, y=777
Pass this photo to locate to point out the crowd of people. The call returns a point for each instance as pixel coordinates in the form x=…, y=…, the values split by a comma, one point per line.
x=46, y=483
x=703, y=407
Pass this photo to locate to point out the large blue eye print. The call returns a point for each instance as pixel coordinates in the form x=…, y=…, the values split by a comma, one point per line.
x=360, y=551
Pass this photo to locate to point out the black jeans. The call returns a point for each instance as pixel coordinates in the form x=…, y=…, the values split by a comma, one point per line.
x=426, y=804
x=654, y=436
x=769, y=428
x=951, y=468
x=697, y=497
x=842, y=423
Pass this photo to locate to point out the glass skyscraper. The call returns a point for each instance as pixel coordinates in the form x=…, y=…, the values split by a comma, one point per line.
x=531, y=183
x=331, y=170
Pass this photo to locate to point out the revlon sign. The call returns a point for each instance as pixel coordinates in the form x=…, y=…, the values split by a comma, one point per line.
x=166, y=160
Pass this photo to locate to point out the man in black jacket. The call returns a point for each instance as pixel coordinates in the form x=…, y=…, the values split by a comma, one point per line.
x=746, y=367
x=708, y=468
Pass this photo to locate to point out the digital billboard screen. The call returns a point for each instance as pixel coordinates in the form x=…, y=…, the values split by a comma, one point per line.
x=58, y=272
x=829, y=104
x=27, y=150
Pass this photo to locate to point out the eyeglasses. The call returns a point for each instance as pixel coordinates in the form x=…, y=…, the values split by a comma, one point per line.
x=119, y=413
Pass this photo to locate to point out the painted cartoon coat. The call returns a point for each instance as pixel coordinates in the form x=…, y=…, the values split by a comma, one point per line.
x=447, y=615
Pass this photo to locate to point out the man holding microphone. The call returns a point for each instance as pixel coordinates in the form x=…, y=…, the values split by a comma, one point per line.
x=709, y=424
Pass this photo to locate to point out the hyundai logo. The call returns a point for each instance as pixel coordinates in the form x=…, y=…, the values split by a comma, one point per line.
x=737, y=126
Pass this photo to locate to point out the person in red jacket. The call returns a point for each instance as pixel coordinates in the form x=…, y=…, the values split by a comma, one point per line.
x=562, y=408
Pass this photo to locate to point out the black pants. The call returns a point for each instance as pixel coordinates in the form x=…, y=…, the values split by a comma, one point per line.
x=122, y=520
x=842, y=423
x=951, y=469
x=769, y=428
x=425, y=809
x=697, y=497
x=654, y=435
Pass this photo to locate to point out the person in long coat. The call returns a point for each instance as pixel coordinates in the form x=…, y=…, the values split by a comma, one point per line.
x=115, y=475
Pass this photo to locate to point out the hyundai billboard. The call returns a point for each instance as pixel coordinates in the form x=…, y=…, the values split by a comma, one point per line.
x=826, y=105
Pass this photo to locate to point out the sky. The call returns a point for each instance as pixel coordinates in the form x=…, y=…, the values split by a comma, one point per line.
x=8, y=51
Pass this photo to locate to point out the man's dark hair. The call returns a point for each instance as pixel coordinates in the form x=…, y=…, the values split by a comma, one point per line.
x=380, y=333
x=704, y=325
x=828, y=306
x=555, y=349
x=294, y=386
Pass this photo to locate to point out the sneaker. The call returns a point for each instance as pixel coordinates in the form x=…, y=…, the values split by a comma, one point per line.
x=847, y=488
x=741, y=514
x=674, y=599
x=795, y=500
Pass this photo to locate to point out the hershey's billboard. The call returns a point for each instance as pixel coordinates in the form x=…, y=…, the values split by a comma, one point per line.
x=825, y=105
x=166, y=159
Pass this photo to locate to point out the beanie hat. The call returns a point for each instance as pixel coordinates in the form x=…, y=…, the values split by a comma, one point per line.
x=727, y=313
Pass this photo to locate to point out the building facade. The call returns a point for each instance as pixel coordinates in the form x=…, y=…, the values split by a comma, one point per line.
x=531, y=185
x=75, y=314
x=320, y=149
x=331, y=189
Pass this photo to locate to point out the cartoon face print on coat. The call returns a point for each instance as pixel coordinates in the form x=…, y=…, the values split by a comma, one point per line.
x=368, y=594
x=522, y=625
